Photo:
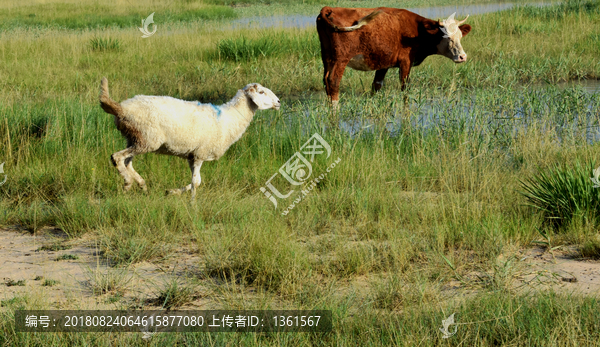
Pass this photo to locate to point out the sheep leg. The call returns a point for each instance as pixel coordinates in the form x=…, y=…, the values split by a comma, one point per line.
x=136, y=176
x=118, y=160
x=195, y=165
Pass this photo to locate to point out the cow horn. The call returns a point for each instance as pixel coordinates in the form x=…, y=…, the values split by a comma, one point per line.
x=462, y=21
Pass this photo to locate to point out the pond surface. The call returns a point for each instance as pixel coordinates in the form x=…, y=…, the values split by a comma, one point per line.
x=440, y=12
x=590, y=86
x=568, y=109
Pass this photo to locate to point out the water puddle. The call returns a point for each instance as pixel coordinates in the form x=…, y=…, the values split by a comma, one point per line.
x=569, y=109
x=303, y=22
x=590, y=86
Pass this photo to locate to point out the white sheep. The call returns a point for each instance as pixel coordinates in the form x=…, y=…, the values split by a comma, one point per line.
x=187, y=129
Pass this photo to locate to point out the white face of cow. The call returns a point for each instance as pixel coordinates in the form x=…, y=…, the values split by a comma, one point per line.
x=450, y=45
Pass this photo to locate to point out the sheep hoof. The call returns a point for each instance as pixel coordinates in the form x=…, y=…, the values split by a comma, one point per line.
x=173, y=192
x=127, y=187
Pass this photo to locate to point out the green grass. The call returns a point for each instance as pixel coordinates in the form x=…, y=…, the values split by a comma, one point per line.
x=49, y=282
x=487, y=320
x=111, y=280
x=591, y=249
x=67, y=257
x=54, y=247
x=561, y=10
x=87, y=16
x=269, y=2
x=12, y=283
x=425, y=196
x=104, y=44
x=270, y=45
x=175, y=294
x=563, y=193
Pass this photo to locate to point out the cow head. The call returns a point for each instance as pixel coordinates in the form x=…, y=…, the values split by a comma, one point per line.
x=453, y=31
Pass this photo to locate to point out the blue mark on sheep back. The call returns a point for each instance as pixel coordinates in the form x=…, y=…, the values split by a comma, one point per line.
x=217, y=109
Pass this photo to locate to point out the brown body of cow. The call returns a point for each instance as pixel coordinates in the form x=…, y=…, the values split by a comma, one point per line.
x=376, y=39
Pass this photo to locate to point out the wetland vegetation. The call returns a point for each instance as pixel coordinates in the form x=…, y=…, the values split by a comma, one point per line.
x=426, y=213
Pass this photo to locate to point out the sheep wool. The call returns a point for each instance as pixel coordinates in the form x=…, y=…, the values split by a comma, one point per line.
x=187, y=129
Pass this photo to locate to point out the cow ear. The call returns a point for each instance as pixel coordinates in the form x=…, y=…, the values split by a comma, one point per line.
x=431, y=27
x=465, y=29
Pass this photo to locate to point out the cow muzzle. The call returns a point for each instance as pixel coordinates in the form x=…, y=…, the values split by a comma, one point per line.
x=461, y=58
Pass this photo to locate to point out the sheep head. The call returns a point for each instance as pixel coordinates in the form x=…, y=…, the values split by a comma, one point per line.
x=263, y=97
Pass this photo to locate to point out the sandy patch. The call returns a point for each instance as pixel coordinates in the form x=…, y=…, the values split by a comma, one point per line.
x=29, y=262
x=560, y=271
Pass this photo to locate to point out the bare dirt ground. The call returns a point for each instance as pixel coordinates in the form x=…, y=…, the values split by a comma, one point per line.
x=561, y=271
x=28, y=264
x=29, y=267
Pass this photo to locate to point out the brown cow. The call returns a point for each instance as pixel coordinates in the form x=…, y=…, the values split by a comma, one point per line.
x=370, y=39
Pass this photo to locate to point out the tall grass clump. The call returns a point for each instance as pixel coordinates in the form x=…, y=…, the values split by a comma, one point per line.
x=93, y=16
x=108, y=280
x=269, y=2
x=175, y=294
x=561, y=10
x=563, y=193
x=269, y=45
x=591, y=249
x=101, y=44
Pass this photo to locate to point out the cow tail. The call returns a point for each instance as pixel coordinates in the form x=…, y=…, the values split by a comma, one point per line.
x=108, y=105
x=366, y=19
x=361, y=22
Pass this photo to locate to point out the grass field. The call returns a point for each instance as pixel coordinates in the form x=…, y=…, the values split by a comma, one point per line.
x=424, y=215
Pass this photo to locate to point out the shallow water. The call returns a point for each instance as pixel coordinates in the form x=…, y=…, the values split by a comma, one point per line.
x=302, y=22
x=471, y=114
x=569, y=109
x=590, y=86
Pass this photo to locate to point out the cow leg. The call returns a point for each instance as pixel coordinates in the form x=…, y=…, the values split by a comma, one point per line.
x=378, y=81
x=332, y=82
x=404, y=72
x=326, y=74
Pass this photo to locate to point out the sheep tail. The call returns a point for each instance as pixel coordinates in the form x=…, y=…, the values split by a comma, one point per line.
x=108, y=105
